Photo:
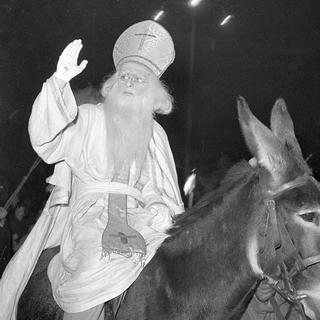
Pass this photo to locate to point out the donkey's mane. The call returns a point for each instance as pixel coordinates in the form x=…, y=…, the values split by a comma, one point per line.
x=235, y=176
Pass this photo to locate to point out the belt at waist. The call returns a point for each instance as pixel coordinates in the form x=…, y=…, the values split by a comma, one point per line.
x=109, y=187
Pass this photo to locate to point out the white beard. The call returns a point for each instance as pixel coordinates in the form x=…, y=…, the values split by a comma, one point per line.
x=129, y=122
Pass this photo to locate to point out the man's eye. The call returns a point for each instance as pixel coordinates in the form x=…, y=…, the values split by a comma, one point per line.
x=310, y=217
x=124, y=77
x=138, y=79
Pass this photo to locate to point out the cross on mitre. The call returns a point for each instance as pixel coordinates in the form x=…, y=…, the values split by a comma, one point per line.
x=145, y=36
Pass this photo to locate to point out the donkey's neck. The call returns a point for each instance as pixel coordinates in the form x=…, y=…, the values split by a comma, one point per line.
x=210, y=250
x=216, y=213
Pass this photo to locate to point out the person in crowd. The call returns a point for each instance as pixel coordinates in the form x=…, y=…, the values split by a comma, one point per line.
x=5, y=240
x=115, y=183
x=18, y=225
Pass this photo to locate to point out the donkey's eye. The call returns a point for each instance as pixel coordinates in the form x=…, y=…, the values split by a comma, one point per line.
x=310, y=217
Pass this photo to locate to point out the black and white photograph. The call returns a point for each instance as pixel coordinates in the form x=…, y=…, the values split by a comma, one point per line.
x=159, y=160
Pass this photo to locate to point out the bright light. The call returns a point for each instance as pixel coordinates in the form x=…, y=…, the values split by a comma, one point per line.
x=158, y=15
x=226, y=19
x=194, y=3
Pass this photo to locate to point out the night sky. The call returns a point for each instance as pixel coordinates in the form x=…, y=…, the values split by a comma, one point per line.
x=269, y=49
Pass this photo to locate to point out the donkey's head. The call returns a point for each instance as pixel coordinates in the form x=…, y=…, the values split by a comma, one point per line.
x=286, y=182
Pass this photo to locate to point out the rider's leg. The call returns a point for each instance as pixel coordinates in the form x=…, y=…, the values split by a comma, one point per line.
x=95, y=313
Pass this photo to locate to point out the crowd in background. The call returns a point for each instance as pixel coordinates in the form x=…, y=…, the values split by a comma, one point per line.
x=17, y=219
x=15, y=224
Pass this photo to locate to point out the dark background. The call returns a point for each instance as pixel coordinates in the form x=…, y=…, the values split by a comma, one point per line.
x=269, y=49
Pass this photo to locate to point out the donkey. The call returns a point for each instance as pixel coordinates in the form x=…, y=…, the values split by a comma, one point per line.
x=218, y=251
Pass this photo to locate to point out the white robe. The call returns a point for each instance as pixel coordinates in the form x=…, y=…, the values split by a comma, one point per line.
x=74, y=140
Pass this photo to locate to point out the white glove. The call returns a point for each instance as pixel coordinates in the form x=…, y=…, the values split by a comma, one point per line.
x=162, y=217
x=68, y=67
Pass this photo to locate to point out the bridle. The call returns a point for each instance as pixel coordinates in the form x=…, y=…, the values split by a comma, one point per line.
x=285, y=248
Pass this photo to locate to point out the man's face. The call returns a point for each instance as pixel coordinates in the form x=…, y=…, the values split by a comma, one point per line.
x=3, y=213
x=133, y=79
x=19, y=212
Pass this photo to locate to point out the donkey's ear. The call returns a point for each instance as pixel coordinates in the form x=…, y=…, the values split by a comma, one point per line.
x=282, y=126
x=262, y=143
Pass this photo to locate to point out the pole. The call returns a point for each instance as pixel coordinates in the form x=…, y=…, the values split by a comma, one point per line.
x=22, y=182
x=189, y=113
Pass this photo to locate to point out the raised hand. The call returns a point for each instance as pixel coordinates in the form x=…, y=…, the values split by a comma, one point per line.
x=67, y=67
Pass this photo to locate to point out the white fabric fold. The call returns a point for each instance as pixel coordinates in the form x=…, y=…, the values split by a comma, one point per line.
x=109, y=187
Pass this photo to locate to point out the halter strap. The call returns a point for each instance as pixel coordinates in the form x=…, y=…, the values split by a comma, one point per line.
x=301, y=264
x=300, y=181
x=289, y=250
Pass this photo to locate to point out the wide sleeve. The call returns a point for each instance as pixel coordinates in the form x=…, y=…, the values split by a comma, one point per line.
x=52, y=117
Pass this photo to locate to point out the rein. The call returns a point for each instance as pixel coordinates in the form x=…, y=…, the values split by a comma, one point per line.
x=284, y=247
